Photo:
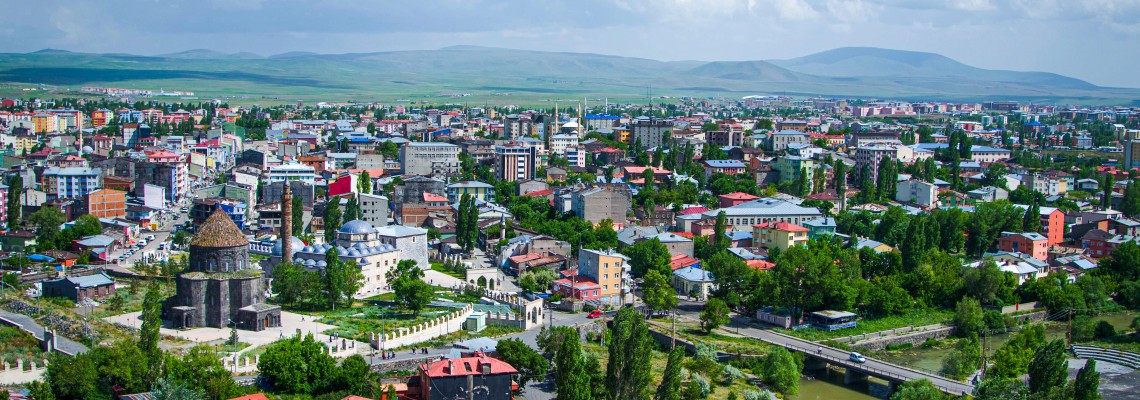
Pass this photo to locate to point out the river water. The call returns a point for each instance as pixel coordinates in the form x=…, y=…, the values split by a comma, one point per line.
x=828, y=384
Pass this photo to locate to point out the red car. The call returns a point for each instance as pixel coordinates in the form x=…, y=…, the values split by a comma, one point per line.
x=594, y=314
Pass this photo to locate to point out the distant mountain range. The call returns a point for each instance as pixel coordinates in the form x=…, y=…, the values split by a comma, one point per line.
x=848, y=72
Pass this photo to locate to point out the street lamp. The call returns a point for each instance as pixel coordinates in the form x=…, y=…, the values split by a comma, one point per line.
x=234, y=327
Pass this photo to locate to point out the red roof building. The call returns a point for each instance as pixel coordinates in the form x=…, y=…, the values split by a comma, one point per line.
x=732, y=199
x=458, y=378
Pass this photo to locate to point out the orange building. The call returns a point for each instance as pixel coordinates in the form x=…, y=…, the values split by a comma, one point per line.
x=107, y=203
x=1030, y=243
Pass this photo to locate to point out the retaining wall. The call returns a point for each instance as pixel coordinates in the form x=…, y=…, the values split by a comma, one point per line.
x=914, y=338
x=422, y=332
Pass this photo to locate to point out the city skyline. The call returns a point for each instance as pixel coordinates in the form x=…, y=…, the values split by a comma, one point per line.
x=1048, y=36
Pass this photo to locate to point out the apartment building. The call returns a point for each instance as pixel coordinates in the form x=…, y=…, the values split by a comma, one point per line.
x=429, y=159
x=608, y=268
x=515, y=162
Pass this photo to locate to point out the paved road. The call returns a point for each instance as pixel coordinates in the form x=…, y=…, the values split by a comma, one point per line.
x=840, y=357
x=162, y=235
x=64, y=345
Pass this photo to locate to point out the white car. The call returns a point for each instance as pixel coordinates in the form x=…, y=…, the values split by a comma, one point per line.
x=856, y=357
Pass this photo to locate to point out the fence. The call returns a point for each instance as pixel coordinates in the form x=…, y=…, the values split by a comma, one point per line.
x=424, y=331
x=17, y=374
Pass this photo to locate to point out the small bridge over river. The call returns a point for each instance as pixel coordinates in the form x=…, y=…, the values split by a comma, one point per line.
x=894, y=374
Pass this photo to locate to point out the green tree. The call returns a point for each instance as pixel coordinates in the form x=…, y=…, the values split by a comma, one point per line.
x=412, y=293
x=200, y=369
x=341, y=279
x=15, y=196
x=648, y=255
x=352, y=210
x=919, y=389
x=530, y=364
x=1001, y=389
x=298, y=365
x=46, y=221
x=364, y=183
x=670, y=387
x=149, y=330
x=571, y=369
x=352, y=374
x=1087, y=383
x=963, y=360
x=298, y=223
x=332, y=219
x=841, y=184
x=1129, y=205
x=1013, y=357
x=714, y=314
x=968, y=317
x=1106, y=187
x=657, y=292
x=781, y=370
x=172, y=390
x=630, y=352
x=1048, y=368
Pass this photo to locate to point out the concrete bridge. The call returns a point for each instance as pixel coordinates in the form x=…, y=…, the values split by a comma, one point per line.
x=894, y=374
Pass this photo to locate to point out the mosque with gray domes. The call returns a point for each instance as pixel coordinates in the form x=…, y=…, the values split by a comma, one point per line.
x=376, y=251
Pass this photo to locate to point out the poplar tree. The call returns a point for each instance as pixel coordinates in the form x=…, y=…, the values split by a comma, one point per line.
x=630, y=350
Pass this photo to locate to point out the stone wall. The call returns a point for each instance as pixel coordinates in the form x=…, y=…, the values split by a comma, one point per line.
x=1036, y=316
x=916, y=338
x=409, y=364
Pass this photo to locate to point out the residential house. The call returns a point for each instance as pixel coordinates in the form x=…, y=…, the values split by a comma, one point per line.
x=988, y=194
x=475, y=189
x=608, y=268
x=782, y=235
x=820, y=227
x=730, y=167
x=595, y=204
x=1030, y=243
x=733, y=199
x=1052, y=223
x=80, y=288
x=918, y=192
x=461, y=378
x=694, y=282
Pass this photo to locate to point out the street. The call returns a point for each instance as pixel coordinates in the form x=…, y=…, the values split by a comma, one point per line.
x=162, y=235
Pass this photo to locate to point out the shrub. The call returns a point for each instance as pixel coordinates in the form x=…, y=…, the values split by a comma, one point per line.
x=1104, y=329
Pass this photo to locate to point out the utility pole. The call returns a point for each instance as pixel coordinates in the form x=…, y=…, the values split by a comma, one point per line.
x=1069, y=336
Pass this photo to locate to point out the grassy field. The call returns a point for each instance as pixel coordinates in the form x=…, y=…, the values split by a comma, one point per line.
x=720, y=387
x=438, y=267
x=912, y=318
x=724, y=340
x=359, y=323
x=16, y=344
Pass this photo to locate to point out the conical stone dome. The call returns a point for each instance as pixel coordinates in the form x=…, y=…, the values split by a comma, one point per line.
x=219, y=231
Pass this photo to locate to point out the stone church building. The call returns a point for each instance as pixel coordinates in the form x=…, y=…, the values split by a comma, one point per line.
x=219, y=285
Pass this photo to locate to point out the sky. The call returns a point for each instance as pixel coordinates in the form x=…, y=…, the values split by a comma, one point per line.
x=1094, y=40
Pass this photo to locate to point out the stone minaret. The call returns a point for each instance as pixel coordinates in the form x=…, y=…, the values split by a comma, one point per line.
x=287, y=224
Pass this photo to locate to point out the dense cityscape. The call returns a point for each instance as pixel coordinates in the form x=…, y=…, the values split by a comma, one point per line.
x=618, y=200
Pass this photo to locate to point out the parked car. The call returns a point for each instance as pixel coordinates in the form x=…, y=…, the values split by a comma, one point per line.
x=856, y=357
x=594, y=314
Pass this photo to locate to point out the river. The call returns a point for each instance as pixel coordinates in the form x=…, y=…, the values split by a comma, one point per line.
x=828, y=384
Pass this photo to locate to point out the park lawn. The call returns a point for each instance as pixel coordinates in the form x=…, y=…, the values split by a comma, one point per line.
x=720, y=390
x=438, y=267
x=359, y=322
x=724, y=340
x=914, y=317
x=132, y=301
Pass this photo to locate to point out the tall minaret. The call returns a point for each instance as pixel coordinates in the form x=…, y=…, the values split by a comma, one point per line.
x=287, y=224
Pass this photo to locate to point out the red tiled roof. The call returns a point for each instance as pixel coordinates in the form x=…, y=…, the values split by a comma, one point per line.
x=540, y=193
x=738, y=196
x=434, y=198
x=257, y=396
x=782, y=226
x=681, y=261
x=465, y=366
x=693, y=210
x=526, y=257
x=760, y=265
x=579, y=283
x=684, y=234
x=640, y=170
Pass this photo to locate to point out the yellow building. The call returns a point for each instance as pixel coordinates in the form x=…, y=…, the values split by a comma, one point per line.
x=24, y=144
x=46, y=123
x=606, y=267
x=782, y=235
x=622, y=135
